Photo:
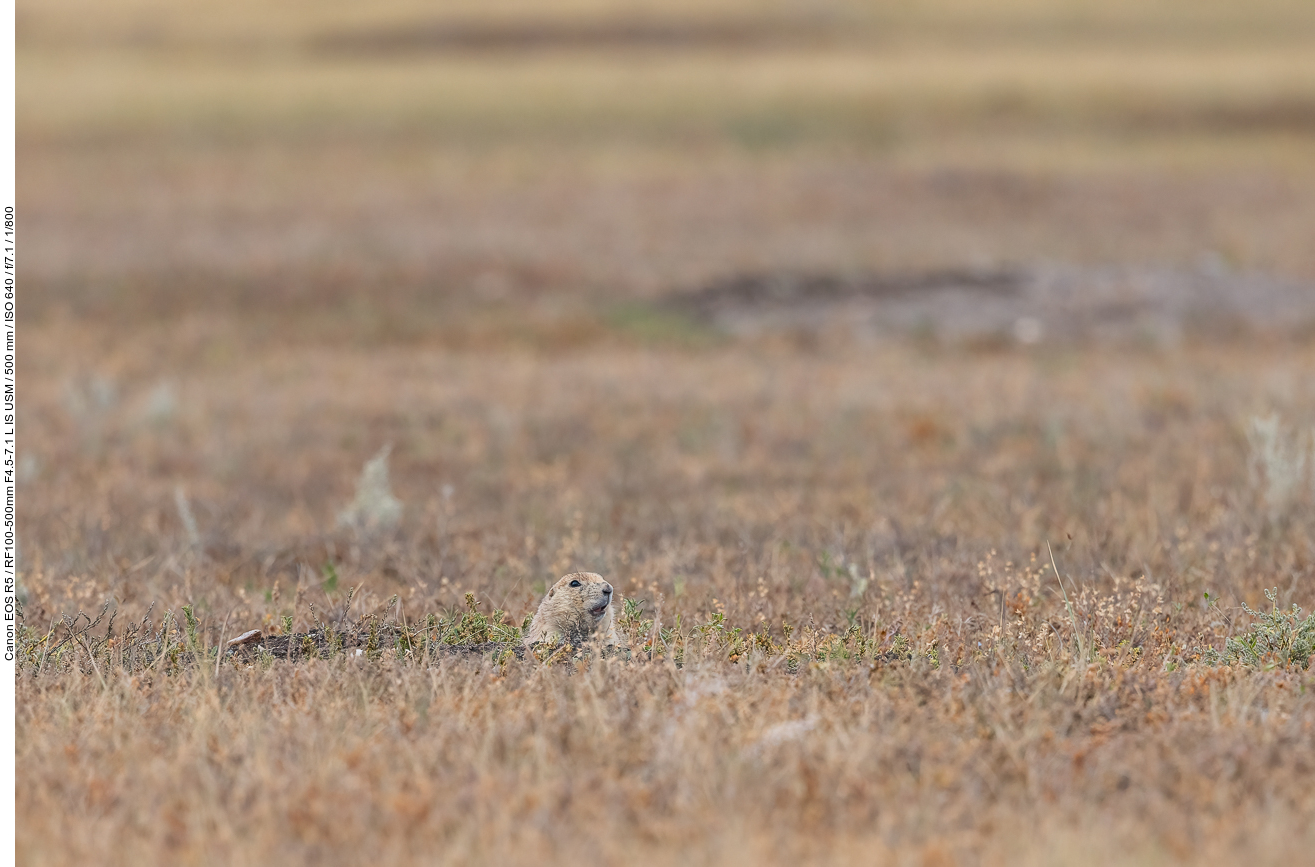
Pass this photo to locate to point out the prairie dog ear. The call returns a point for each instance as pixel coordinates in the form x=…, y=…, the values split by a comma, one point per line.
x=551, y=592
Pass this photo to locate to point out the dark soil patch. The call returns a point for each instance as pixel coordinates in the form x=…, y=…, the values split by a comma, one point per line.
x=304, y=645
x=548, y=35
x=1038, y=304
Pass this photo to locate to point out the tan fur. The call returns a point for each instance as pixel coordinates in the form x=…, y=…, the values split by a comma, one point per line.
x=564, y=615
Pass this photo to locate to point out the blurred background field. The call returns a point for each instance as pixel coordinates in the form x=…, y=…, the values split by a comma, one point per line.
x=808, y=315
x=403, y=159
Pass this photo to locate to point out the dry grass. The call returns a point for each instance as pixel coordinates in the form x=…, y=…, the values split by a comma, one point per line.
x=879, y=504
x=251, y=263
x=472, y=763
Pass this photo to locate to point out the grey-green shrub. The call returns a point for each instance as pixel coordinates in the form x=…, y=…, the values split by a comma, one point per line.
x=1278, y=636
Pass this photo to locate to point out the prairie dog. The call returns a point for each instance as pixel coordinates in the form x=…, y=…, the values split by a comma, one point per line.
x=579, y=608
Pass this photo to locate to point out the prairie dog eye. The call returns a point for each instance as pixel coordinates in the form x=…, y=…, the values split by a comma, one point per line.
x=575, y=583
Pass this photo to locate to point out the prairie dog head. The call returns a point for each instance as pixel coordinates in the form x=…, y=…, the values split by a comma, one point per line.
x=594, y=594
x=577, y=608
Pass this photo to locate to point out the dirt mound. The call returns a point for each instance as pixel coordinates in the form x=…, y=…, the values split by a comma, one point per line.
x=303, y=645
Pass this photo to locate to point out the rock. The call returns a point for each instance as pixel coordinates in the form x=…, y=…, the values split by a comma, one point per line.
x=246, y=638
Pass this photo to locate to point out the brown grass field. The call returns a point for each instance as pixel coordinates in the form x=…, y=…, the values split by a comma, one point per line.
x=260, y=242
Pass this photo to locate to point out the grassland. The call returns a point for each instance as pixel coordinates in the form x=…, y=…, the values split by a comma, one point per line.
x=260, y=242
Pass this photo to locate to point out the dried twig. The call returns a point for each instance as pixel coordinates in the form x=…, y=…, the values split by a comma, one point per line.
x=219, y=648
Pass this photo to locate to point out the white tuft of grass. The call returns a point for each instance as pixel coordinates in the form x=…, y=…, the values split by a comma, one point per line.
x=90, y=403
x=161, y=405
x=1279, y=463
x=186, y=517
x=91, y=398
x=29, y=468
x=374, y=506
x=774, y=736
x=858, y=582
